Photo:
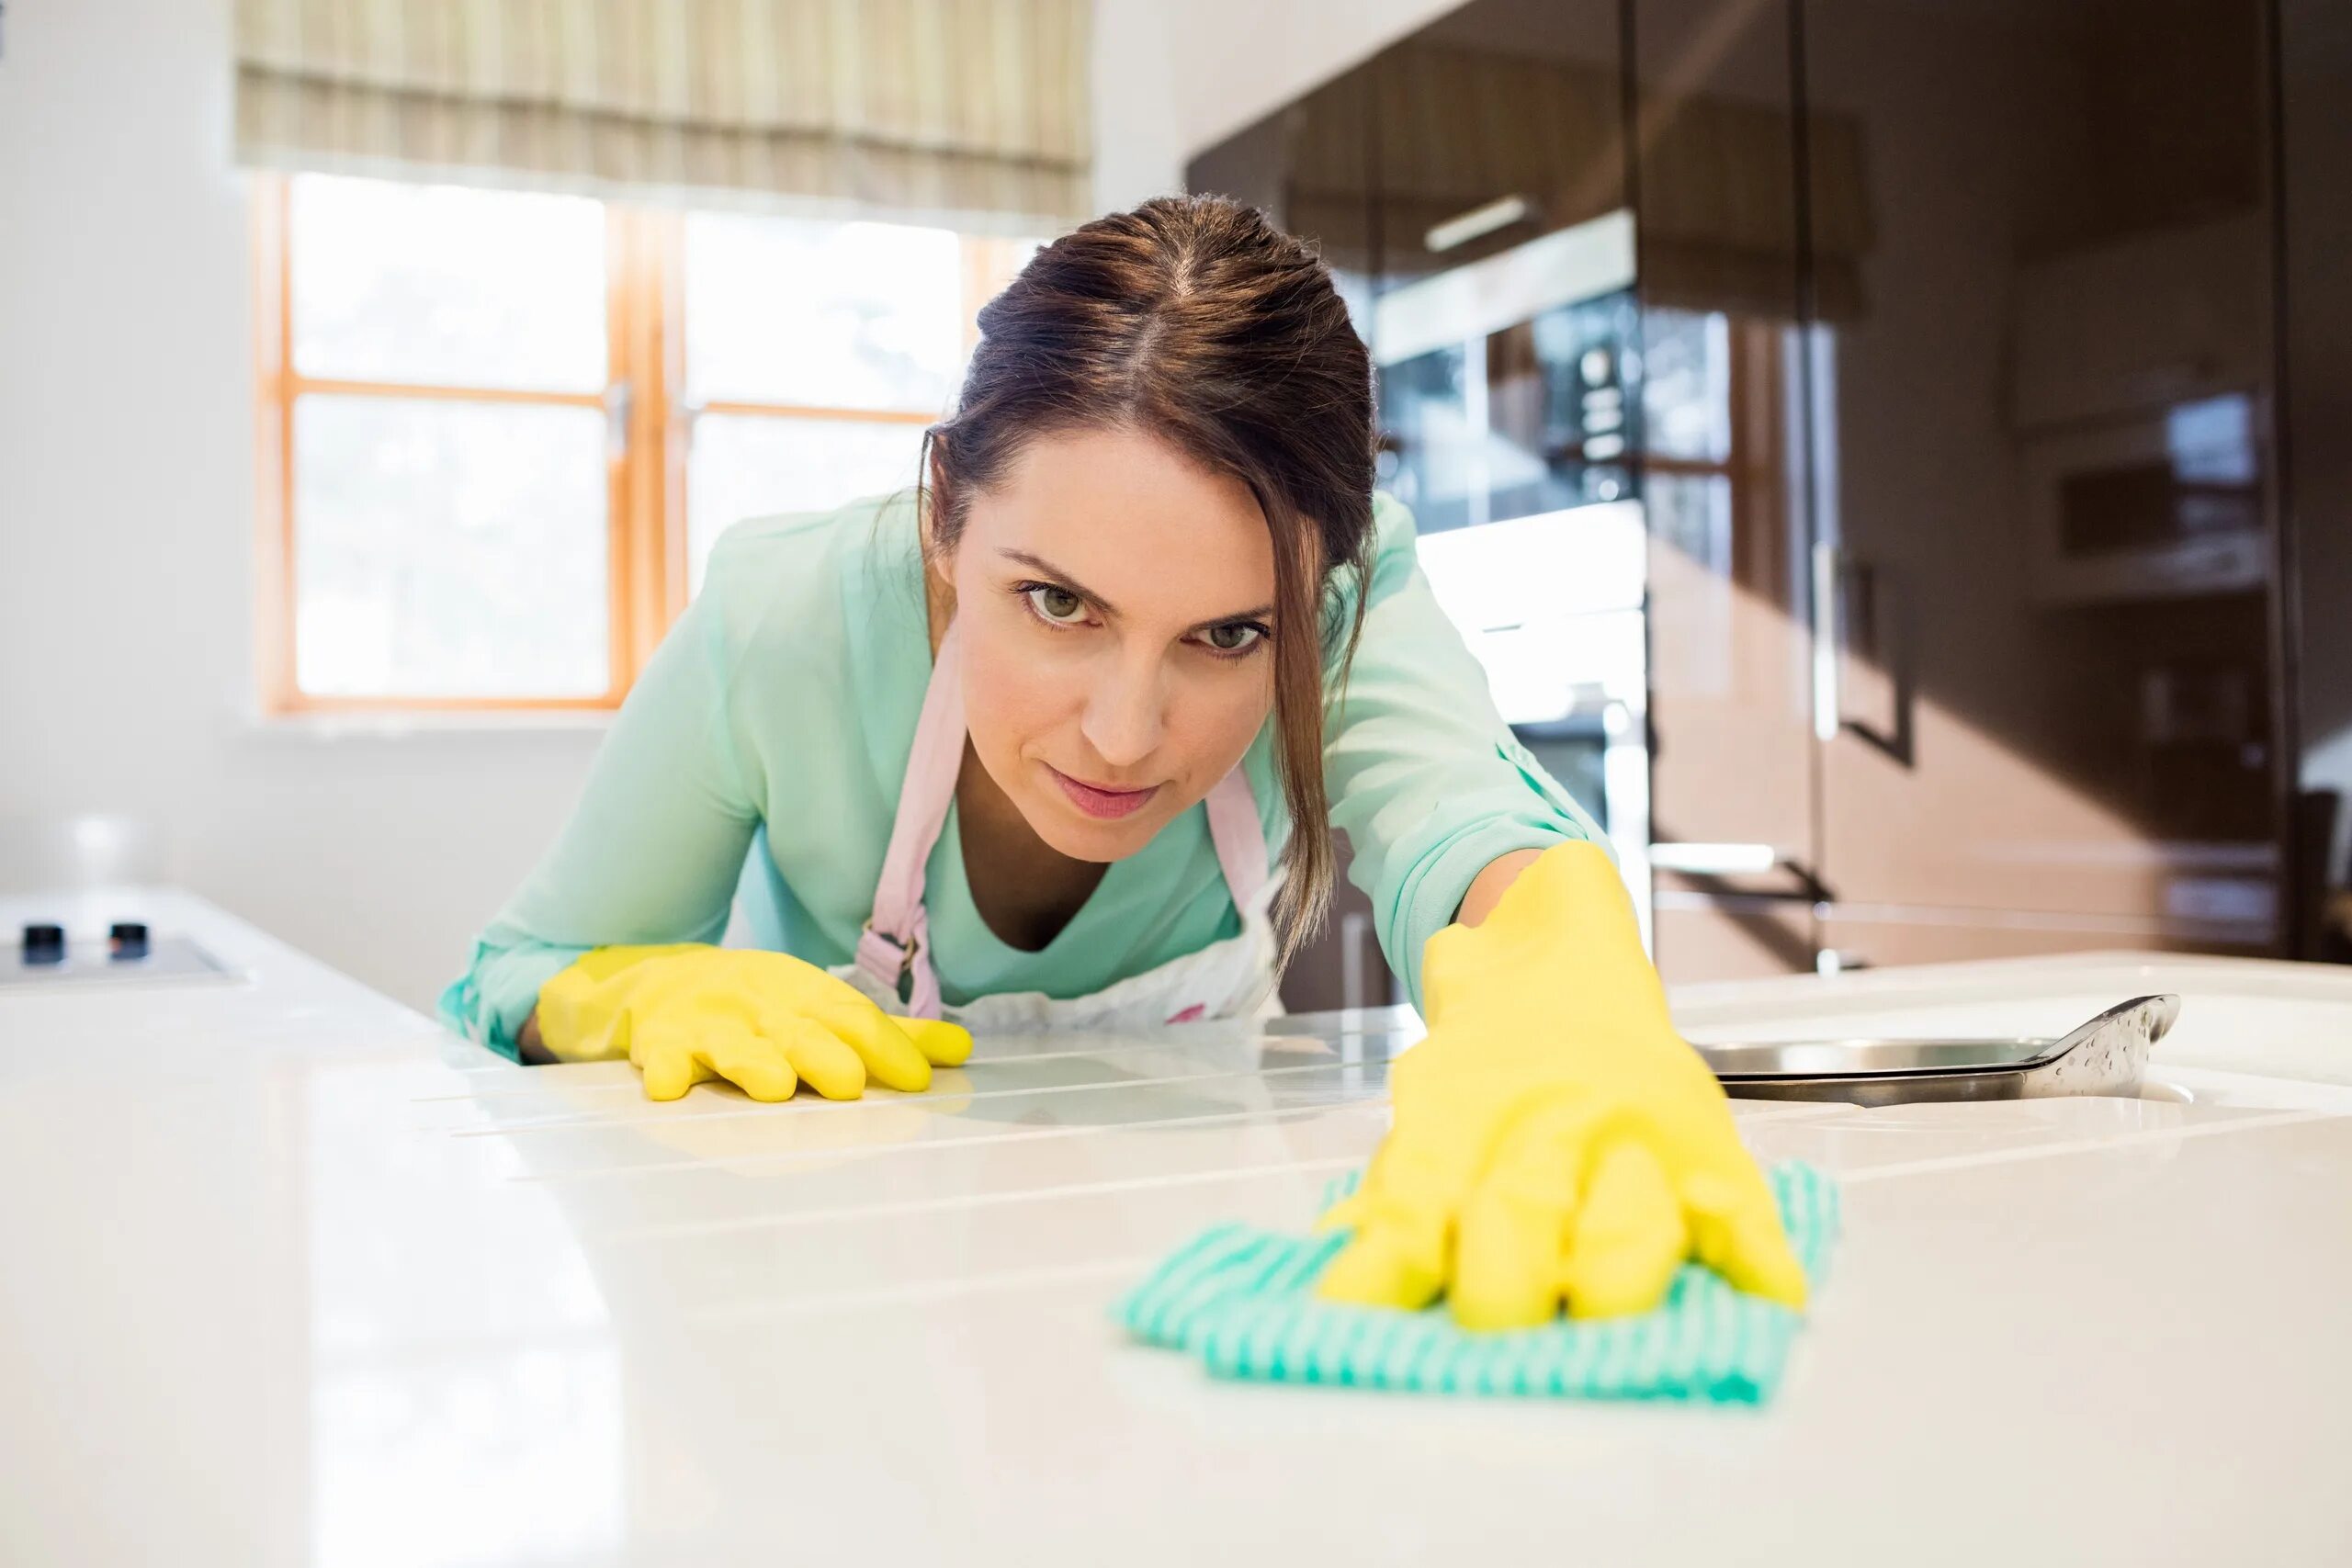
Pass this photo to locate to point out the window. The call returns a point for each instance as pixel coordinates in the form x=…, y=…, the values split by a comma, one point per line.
x=501, y=431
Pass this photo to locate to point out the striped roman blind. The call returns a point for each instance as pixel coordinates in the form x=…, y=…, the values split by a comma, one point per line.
x=973, y=113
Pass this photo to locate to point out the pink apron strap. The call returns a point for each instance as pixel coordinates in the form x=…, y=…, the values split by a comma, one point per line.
x=1241, y=841
x=894, y=946
x=1241, y=853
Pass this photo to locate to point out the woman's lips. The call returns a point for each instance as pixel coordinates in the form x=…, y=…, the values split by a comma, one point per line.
x=1096, y=801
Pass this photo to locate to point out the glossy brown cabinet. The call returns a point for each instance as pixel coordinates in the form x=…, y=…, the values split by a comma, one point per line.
x=2044, y=486
x=1496, y=123
x=1978, y=637
x=1733, y=763
x=2314, y=175
x=1994, y=378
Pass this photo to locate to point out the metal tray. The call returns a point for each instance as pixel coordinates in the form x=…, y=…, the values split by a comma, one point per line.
x=2108, y=1054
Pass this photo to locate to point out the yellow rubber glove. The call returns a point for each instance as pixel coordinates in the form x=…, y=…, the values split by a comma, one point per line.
x=1554, y=1138
x=764, y=1022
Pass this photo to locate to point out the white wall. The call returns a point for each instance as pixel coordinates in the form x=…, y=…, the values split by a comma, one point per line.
x=125, y=485
x=126, y=521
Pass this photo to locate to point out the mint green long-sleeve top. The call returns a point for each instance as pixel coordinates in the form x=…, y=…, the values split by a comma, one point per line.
x=760, y=755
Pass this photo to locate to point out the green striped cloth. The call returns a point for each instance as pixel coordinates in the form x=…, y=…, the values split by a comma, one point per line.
x=1237, y=1297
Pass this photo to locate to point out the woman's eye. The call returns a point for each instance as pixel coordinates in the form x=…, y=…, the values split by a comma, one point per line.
x=1232, y=639
x=1058, y=606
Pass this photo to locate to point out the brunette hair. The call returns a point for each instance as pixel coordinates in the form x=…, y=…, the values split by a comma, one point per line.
x=1196, y=320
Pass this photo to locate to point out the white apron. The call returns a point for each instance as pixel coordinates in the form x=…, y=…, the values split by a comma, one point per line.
x=1232, y=978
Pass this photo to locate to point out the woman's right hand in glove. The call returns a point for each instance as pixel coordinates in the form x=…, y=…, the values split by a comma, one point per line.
x=1554, y=1138
x=764, y=1022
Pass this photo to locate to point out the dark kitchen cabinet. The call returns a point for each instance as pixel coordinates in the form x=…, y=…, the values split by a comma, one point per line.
x=1724, y=482
x=1491, y=131
x=1990, y=387
x=2315, y=193
x=1495, y=124
x=2039, y=402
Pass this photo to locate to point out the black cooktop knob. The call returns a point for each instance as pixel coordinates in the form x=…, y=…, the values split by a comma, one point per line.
x=44, y=944
x=127, y=939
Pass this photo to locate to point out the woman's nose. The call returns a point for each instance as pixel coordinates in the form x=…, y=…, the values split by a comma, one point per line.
x=1125, y=714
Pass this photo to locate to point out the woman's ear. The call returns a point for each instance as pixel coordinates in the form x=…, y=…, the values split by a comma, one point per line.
x=935, y=506
x=938, y=578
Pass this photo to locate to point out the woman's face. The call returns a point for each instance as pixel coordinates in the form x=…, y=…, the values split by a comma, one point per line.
x=1115, y=605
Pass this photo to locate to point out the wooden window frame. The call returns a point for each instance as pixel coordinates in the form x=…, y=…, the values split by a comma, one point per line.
x=644, y=397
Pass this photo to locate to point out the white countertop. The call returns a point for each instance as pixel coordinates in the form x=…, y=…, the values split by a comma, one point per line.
x=286, y=1275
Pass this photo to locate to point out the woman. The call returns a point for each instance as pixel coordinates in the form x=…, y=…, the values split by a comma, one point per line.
x=1058, y=739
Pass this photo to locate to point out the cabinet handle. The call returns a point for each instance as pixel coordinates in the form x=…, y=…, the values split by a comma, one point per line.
x=1739, y=860
x=1714, y=859
x=1887, y=616
x=1827, y=650
x=1477, y=224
